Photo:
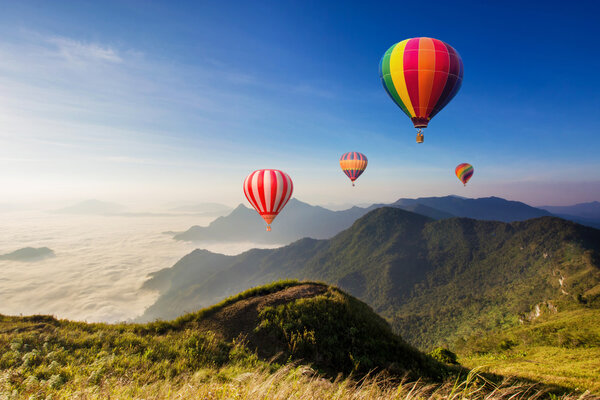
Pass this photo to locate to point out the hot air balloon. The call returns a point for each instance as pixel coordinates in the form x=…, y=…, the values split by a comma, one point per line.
x=268, y=191
x=464, y=172
x=421, y=75
x=353, y=164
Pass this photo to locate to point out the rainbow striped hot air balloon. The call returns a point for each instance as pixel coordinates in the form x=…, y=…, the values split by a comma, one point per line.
x=268, y=191
x=421, y=75
x=464, y=172
x=353, y=164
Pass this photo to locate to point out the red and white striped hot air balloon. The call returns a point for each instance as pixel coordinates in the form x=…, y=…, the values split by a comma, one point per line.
x=268, y=190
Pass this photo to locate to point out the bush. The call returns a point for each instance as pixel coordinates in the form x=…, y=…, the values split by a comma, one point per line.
x=205, y=349
x=444, y=355
x=336, y=332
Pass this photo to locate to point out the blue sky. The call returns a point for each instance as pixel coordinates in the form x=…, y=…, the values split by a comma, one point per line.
x=168, y=101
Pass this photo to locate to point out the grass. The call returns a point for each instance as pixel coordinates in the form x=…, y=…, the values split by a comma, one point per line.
x=163, y=326
x=288, y=382
x=42, y=356
x=45, y=358
x=344, y=335
x=577, y=369
x=561, y=349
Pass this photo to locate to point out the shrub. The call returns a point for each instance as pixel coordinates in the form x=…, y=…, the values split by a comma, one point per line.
x=444, y=355
x=205, y=349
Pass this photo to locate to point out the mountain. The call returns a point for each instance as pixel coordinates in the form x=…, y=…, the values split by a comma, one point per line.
x=28, y=254
x=584, y=210
x=418, y=208
x=435, y=281
x=486, y=208
x=498, y=209
x=92, y=207
x=297, y=220
x=583, y=213
x=300, y=219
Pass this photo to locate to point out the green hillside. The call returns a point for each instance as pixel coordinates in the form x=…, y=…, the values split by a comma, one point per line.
x=561, y=348
x=435, y=281
x=489, y=275
x=257, y=330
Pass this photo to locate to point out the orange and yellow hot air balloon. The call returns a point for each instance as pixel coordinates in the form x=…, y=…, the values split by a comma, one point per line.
x=464, y=172
x=421, y=75
x=353, y=164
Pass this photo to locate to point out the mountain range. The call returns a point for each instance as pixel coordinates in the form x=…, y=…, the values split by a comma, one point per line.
x=485, y=208
x=583, y=213
x=300, y=219
x=435, y=281
x=589, y=210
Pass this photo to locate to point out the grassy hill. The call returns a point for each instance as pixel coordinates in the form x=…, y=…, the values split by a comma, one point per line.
x=264, y=343
x=435, y=281
x=562, y=348
x=281, y=322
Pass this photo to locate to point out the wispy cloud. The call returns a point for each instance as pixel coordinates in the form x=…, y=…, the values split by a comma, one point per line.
x=76, y=113
x=77, y=51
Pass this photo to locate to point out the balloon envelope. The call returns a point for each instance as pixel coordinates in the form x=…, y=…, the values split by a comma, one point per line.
x=464, y=172
x=353, y=164
x=421, y=75
x=268, y=191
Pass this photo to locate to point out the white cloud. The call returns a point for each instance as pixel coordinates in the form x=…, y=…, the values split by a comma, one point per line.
x=76, y=51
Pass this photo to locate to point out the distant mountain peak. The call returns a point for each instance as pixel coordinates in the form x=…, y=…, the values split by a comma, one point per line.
x=585, y=213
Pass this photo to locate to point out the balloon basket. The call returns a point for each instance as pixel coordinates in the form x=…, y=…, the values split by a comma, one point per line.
x=420, y=137
x=352, y=183
x=268, y=228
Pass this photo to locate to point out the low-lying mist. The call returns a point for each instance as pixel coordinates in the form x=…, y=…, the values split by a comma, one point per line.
x=99, y=265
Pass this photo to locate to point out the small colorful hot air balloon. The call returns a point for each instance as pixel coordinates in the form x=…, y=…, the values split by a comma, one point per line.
x=353, y=164
x=464, y=172
x=268, y=191
x=421, y=75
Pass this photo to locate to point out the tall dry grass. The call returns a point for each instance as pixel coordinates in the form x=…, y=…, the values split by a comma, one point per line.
x=300, y=382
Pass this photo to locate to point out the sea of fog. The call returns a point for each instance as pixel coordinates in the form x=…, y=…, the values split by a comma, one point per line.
x=100, y=262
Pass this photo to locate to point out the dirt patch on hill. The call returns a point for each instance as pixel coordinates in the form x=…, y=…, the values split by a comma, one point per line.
x=240, y=318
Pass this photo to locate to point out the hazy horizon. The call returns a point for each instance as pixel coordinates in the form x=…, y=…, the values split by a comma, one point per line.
x=167, y=204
